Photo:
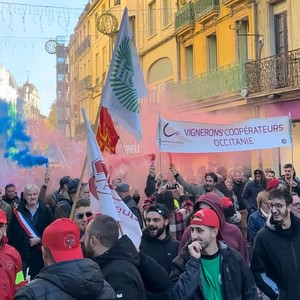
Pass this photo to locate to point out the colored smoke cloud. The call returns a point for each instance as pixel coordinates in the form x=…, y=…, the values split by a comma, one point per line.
x=14, y=140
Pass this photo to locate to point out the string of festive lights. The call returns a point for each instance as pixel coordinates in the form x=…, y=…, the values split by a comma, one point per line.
x=12, y=12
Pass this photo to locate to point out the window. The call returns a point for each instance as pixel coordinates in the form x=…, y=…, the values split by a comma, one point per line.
x=97, y=65
x=152, y=18
x=96, y=29
x=60, y=77
x=167, y=16
x=189, y=59
x=104, y=59
x=242, y=39
x=212, y=51
x=281, y=33
x=132, y=26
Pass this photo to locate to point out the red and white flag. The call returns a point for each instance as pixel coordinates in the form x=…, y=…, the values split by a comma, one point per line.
x=104, y=199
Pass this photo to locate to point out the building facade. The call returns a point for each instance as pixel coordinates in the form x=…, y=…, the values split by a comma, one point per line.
x=215, y=61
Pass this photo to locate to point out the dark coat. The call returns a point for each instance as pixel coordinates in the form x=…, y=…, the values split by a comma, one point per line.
x=251, y=190
x=19, y=239
x=134, y=208
x=276, y=255
x=77, y=279
x=256, y=222
x=238, y=188
x=119, y=265
x=236, y=277
x=155, y=277
x=163, y=251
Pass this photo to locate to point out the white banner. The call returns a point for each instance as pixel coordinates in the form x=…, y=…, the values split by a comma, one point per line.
x=187, y=137
x=102, y=197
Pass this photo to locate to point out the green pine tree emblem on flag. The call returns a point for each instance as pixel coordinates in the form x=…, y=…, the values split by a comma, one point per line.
x=121, y=79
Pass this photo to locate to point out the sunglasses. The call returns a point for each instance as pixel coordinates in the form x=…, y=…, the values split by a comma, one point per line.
x=80, y=216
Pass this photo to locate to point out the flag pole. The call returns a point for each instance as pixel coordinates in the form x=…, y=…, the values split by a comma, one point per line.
x=83, y=169
x=292, y=152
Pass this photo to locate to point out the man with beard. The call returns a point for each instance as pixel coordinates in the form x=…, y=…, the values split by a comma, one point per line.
x=251, y=190
x=156, y=240
x=67, y=275
x=296, y=205
x=276, y=251
x=289, y=178
x=207, y=268
x=118, y=258
x=210, y=180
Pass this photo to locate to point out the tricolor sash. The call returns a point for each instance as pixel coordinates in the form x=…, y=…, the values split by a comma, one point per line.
x=26, y=225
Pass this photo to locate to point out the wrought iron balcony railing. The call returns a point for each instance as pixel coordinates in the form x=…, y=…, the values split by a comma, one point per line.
x=84, y=45
x=275, y=72
x=85, y=83
x=205, y=8
x=185, y=16
x=226, y=80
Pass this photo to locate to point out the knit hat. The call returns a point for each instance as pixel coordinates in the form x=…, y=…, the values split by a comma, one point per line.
x=206, y=217
x=122, y=187
x=3, y=218
x=62, y=237
x=73, y=185
x=226, y=202
x=273, y=184
x=161, y=209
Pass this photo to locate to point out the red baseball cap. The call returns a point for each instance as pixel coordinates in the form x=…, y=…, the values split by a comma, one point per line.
x=226, y=202
x=273, y=184
x=207, y=217
x=62, y=237
x=3, y=218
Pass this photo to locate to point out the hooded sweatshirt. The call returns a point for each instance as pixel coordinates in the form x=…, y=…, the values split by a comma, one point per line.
x=276, y=259
x=228, y=232
x=119, y=265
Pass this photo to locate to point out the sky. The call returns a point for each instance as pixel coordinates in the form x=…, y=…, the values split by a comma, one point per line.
x=25, y=27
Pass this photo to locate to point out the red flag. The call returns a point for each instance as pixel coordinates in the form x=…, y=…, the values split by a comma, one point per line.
x=106, y=136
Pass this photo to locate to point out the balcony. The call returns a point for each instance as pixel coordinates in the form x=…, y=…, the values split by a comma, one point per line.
x=223, y=81
x=84, y=45
x=269, y=74
x=229, y=3
x=85, y=83
x=206, y=10
x=185, y=17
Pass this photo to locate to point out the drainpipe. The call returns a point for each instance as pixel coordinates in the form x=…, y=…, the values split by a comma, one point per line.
x=259, y=155
x=256, y=36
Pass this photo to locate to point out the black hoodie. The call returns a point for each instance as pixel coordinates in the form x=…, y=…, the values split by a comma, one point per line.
x=119, y=265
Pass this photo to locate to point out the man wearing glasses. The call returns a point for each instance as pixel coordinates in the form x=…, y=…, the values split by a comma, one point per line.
x=276, y=251
x=82, y=213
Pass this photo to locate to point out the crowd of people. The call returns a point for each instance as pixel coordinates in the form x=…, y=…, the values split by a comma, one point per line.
x=226, y=236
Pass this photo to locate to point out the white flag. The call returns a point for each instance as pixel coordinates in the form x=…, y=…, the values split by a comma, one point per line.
x=125, y=82
x=103, y=198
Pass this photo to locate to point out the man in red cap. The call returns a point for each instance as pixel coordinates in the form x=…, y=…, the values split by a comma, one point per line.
x=11, y=275
x=67, y=274
x=207, y=267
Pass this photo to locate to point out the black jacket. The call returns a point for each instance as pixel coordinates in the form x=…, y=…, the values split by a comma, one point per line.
x=251, y=190
x=119, y=265
x=155, y=277
x=19, y=239
x=238, y=188
x=236, y=277
x=276, y=254
x=163, y=251
x=77, y=279
x=134, y=208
